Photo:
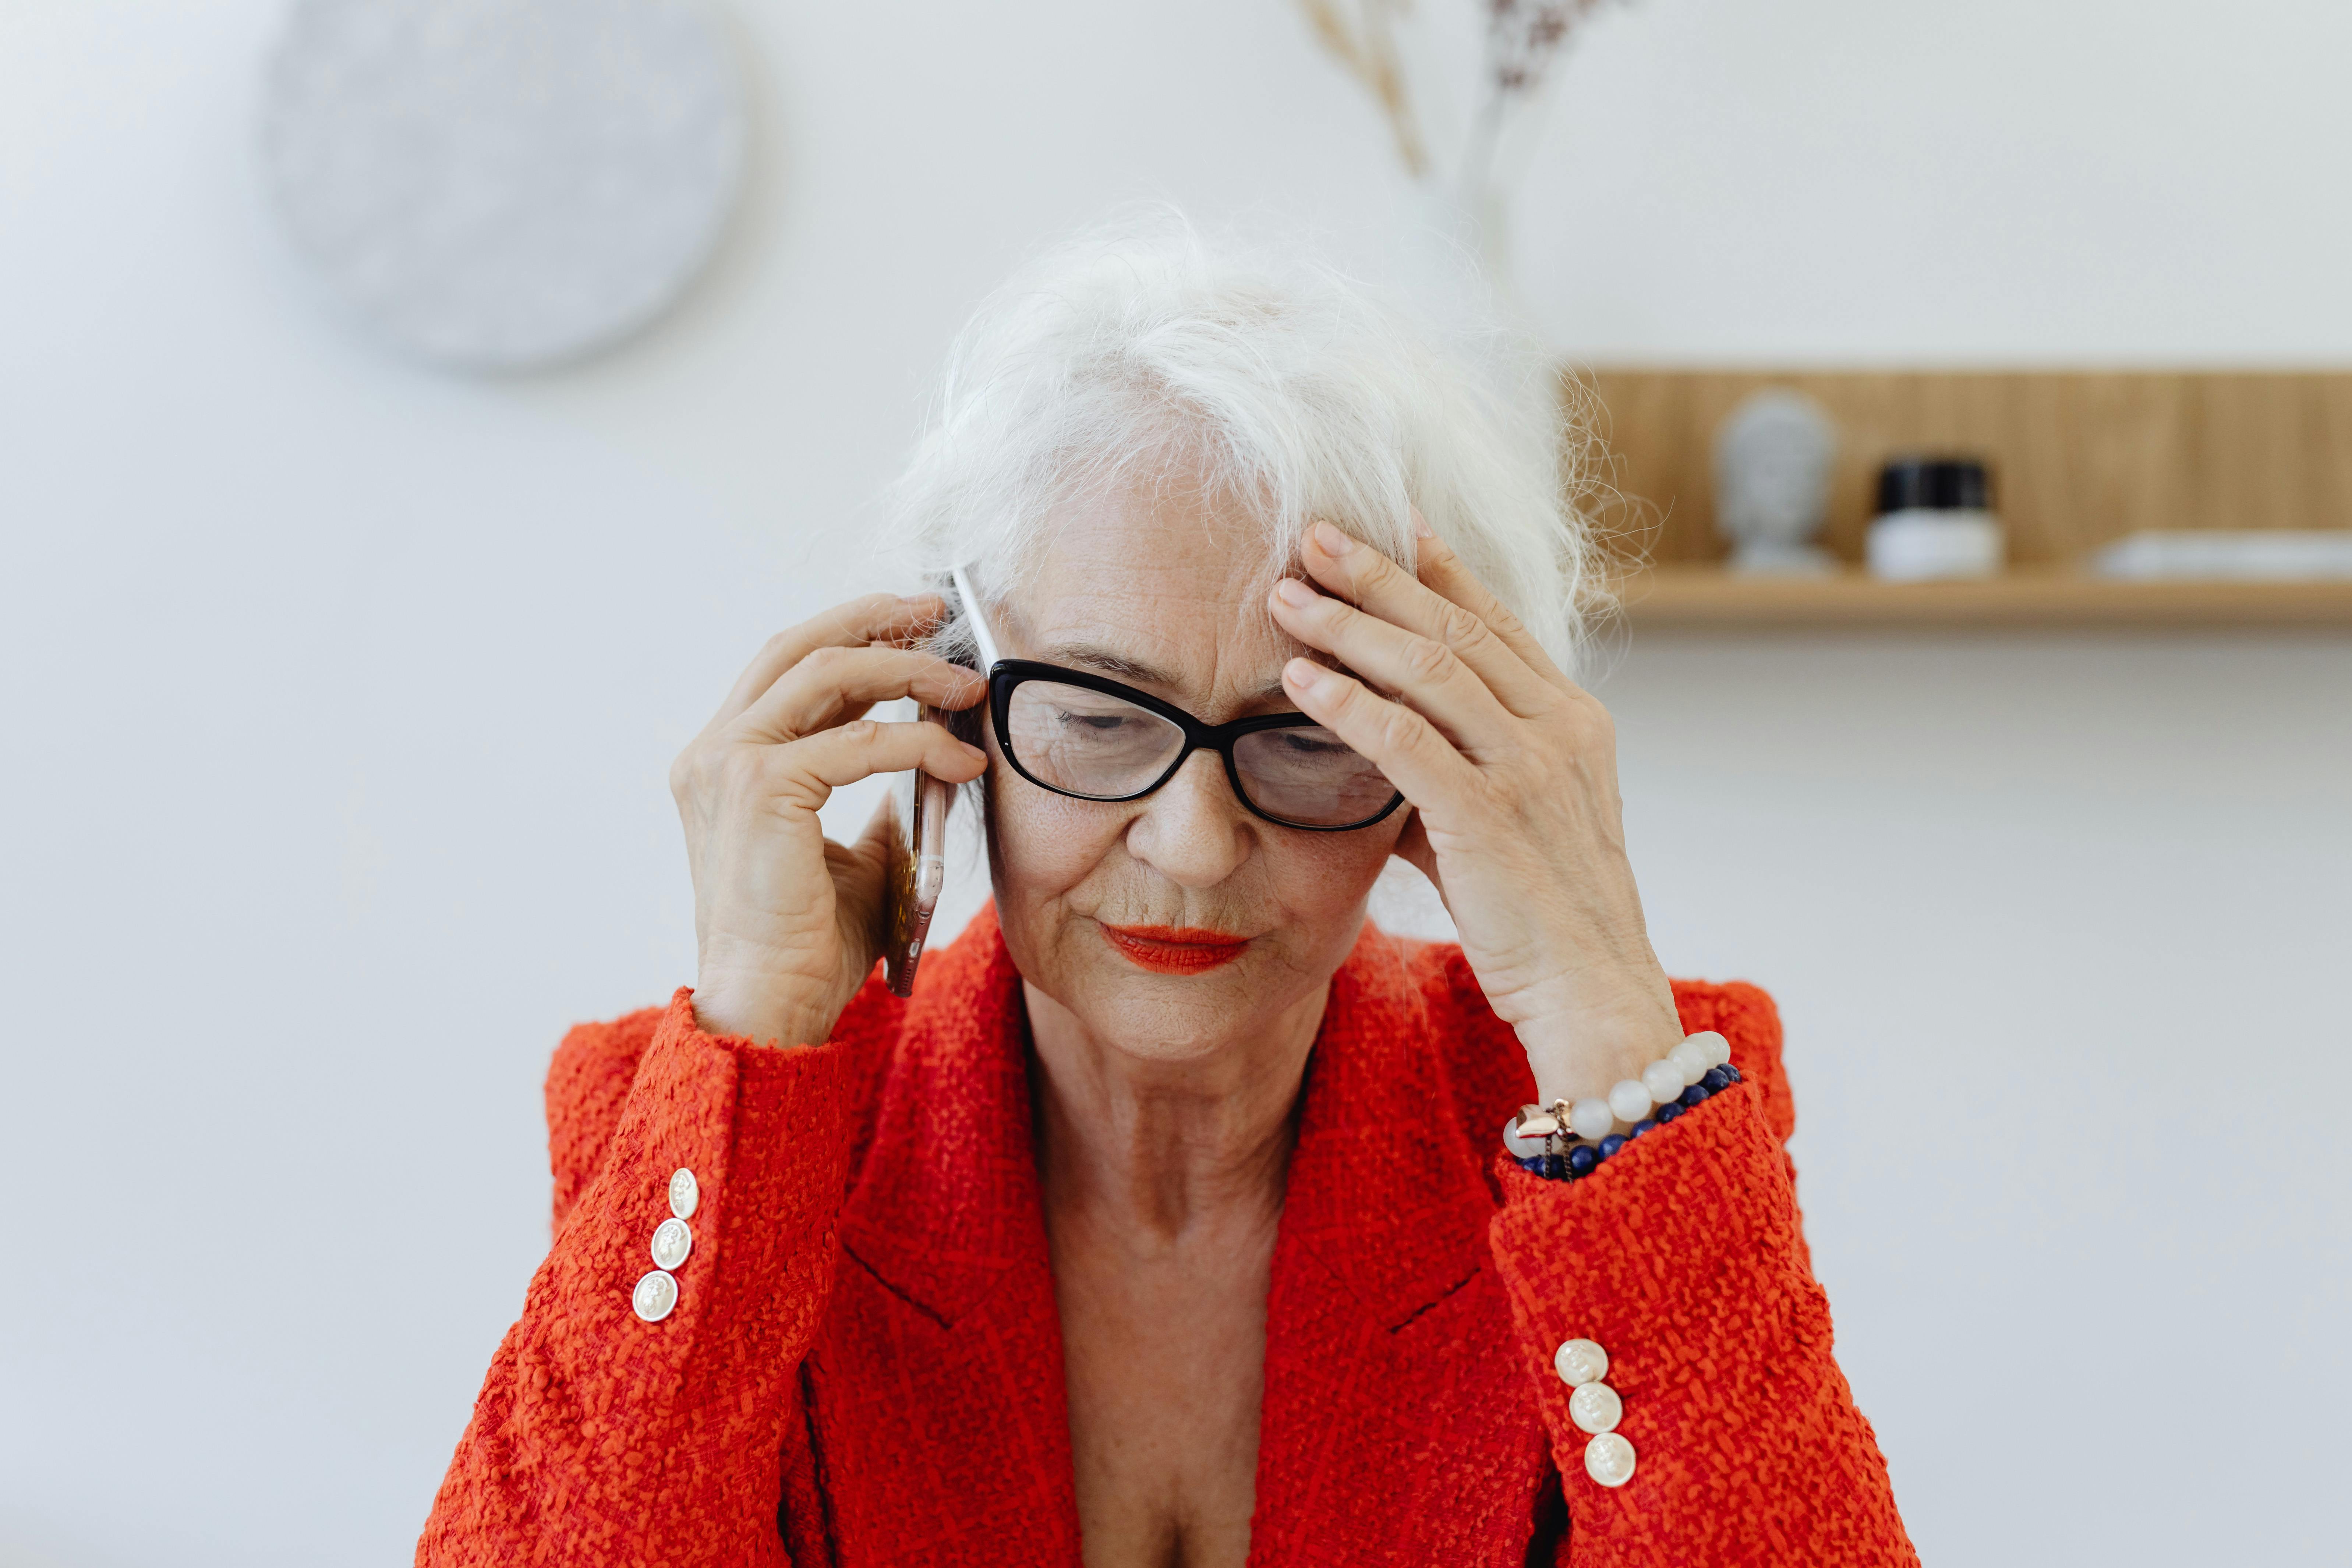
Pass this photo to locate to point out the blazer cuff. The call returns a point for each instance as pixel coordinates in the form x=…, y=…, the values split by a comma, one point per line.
x=1678, y=1258
x=766, y=1132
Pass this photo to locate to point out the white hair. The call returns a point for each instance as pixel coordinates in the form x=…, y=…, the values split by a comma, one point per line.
x=1142, y=353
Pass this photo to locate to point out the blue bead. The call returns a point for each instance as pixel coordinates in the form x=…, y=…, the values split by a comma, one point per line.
x=1609, y=1145
x=1694, y=1096
x=1644, y=1125
x=1581, y=1158
x=1669, y=1111
x=1555, y=1169
x=1532, y=1163
x=1715, y=1081
x=1731, y=1072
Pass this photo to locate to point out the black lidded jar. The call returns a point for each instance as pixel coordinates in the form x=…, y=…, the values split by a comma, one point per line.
x=1935, y=519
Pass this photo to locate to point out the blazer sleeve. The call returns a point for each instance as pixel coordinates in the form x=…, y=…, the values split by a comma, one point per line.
x=600, y=1438
x=1683, y=1260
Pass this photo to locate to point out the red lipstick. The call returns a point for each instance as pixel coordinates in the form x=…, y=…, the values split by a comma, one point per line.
x=1173, y=950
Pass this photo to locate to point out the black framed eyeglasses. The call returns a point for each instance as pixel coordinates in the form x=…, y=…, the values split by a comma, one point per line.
x=1092, y=738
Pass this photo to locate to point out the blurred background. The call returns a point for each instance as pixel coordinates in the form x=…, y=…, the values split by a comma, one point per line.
x=340, y=688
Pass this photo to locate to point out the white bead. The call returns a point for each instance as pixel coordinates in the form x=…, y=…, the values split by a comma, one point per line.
x=685, y=1193
x=1591, y=1119
x=1580, y=1362
x=655, y=1294
x=1595, y=1407
x=1630, y=1099
x=1663, y=1080
x=1609, y=1459
x=1520, y=1148
x=1719, y=1049
x=1690, y=1058
x=672, y=1242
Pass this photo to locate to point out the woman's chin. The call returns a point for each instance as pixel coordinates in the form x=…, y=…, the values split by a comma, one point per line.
x=1168, y=1005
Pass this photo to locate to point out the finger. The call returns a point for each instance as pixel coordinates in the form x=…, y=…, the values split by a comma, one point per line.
x=1447, y=575
x=877, y=617
x=1358, y=573
x=1426, y=673
x=1398, y=741
x=834, y=684
x=830, y=759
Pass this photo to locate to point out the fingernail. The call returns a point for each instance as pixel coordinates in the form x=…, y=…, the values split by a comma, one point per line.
x=1421, y=528
x=1291, y=591
x=975, y=753
x=1331, y=541
x=1302, y=673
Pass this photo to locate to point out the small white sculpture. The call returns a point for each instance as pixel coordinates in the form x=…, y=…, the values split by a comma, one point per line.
x=1772, y=463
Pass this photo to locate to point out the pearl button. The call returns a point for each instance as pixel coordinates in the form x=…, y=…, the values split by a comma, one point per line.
x=685, y=1193
x=672, y=1242
x=1595, y=1407
x=1580, y=1361
x=655, y=1294
x=1609, y=1459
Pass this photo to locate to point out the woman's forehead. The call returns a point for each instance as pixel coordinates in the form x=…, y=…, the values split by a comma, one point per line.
x=1168, y=603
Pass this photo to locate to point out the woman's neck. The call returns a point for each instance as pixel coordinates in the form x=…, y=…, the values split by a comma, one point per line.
x=1160, y=1150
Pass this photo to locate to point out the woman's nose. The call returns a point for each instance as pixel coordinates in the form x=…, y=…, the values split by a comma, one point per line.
x=1191, y=830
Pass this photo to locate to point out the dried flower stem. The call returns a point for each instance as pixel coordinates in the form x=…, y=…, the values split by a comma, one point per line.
x=1367, y=49
x=1523, y=38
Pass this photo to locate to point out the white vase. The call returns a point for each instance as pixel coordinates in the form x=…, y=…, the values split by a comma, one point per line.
x=1456, y=252
x=1453, y=261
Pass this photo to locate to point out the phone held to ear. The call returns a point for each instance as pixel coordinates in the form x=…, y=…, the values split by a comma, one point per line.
x=919, y=836
x=919, y=868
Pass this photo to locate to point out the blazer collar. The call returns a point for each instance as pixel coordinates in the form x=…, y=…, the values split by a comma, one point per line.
x=1386, y=1203
x=947, y=1201
x=1385, y=1196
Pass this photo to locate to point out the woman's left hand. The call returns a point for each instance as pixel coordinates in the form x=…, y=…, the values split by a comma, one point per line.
x=1511, y=770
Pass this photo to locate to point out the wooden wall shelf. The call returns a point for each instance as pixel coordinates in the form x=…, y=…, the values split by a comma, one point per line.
x=1710, y=597
x=2079, y=458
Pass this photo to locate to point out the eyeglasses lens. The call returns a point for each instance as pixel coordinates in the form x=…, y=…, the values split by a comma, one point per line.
x=1103, y=747
x=1309, y=775
x=1088, y=743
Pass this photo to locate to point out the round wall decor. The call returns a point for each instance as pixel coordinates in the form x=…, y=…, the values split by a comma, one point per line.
x=504, y=183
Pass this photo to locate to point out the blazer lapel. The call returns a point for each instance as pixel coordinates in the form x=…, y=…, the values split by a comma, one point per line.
x=1397, y=1426
x=939, y=1400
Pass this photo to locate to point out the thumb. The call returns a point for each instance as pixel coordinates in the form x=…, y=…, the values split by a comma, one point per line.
x=861, y=873
x=1413, y=848
x=872, y=846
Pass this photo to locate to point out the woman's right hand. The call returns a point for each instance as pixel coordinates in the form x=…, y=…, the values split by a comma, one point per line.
x=787, y=925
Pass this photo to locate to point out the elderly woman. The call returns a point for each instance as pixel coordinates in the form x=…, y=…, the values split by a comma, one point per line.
x=1182, y=1216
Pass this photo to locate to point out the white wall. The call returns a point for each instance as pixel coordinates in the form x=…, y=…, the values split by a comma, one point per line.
x=338, y=697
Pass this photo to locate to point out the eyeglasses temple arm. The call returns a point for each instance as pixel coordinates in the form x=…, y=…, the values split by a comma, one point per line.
x=978, y=623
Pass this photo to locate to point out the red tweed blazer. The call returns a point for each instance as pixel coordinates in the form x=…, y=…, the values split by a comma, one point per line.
x=864, y=1363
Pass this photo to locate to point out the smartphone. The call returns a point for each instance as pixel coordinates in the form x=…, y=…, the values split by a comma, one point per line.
x=919, y=836
x=919, y=868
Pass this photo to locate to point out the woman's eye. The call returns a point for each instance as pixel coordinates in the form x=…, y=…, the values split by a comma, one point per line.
x=1097, y=722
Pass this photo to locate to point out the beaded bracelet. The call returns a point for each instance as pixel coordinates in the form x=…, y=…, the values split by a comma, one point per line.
x=1563, y=1141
